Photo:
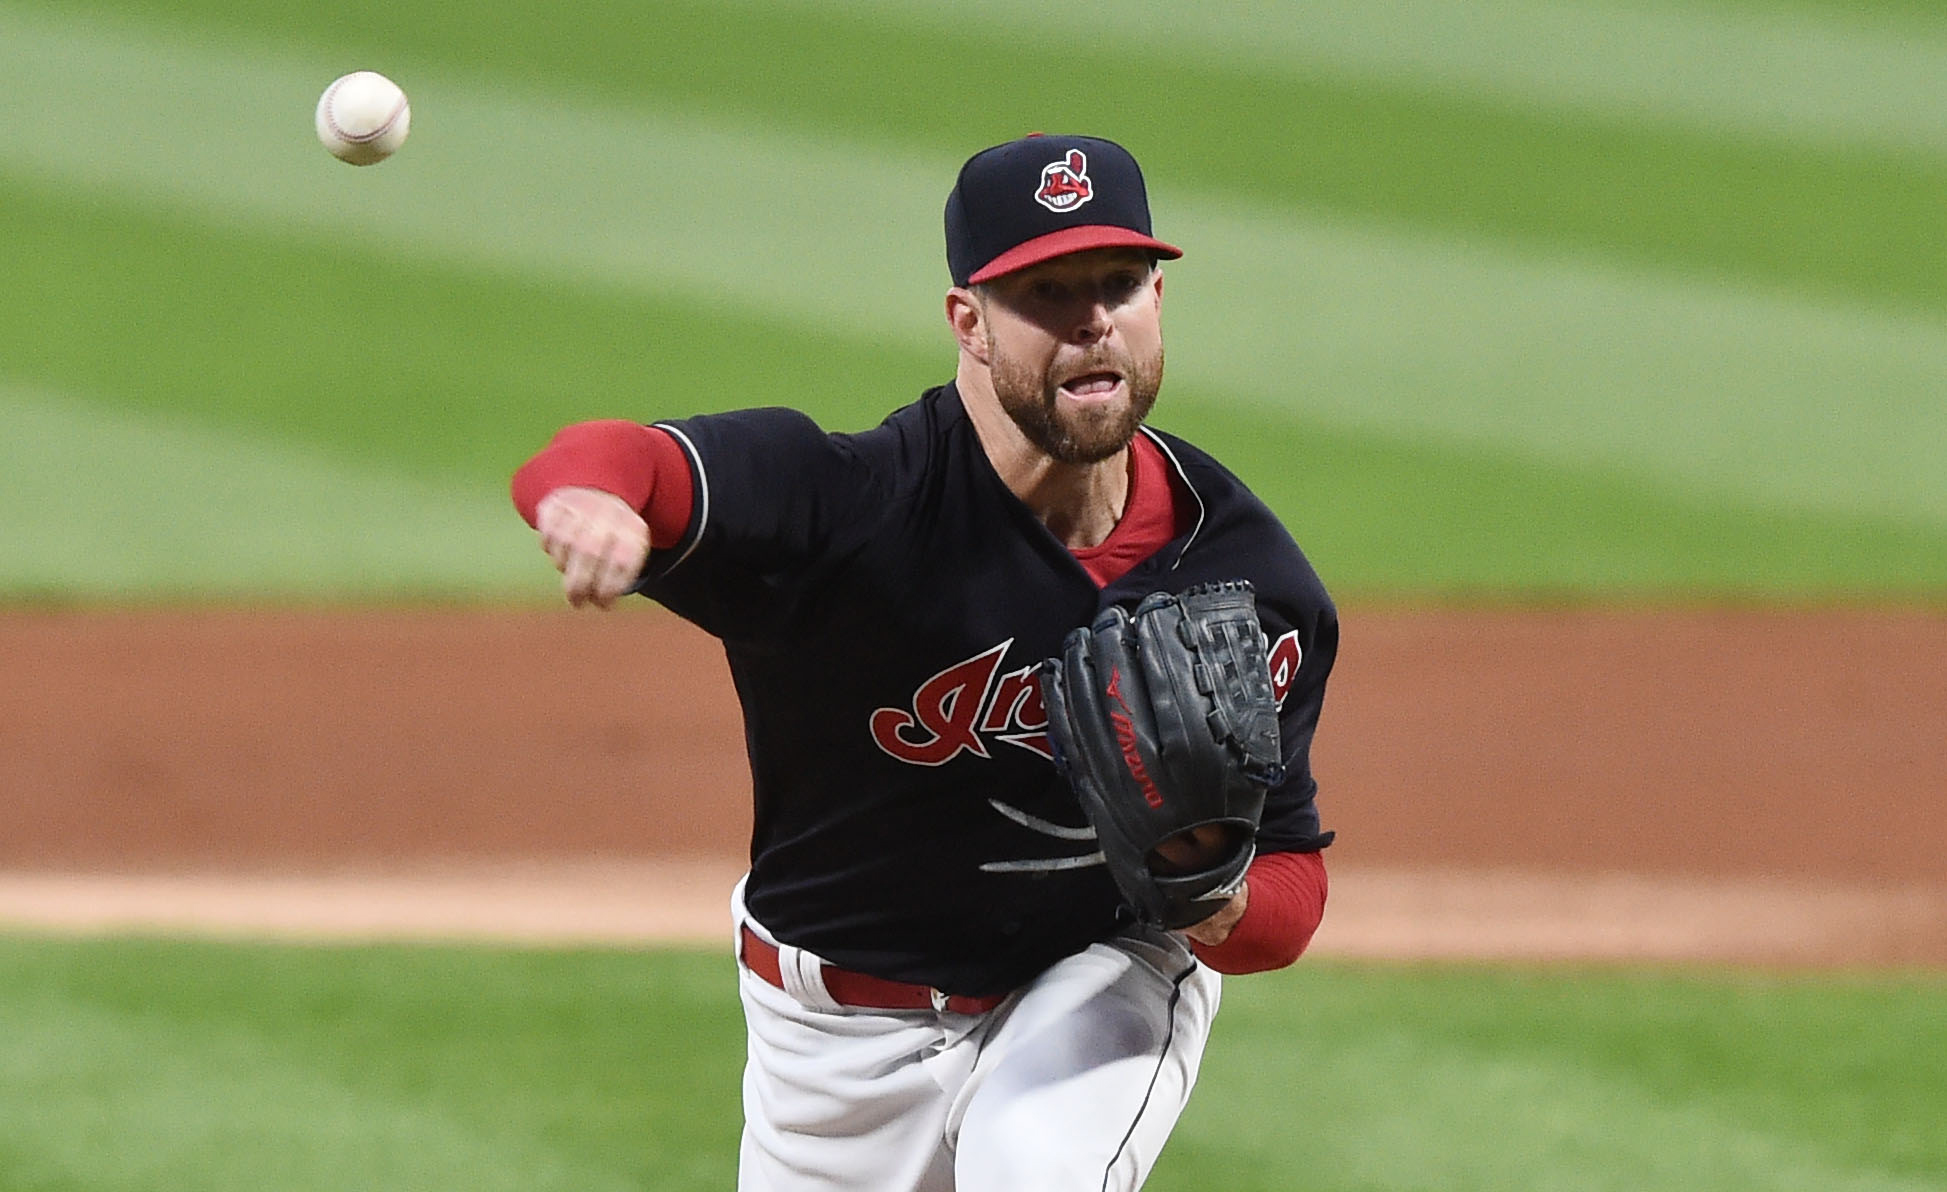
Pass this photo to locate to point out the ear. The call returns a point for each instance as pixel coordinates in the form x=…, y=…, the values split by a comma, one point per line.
x=968, y=318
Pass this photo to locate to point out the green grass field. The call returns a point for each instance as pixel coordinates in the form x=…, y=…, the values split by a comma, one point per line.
x=170, y=1065
x=1537, y=300
x=1625, y=299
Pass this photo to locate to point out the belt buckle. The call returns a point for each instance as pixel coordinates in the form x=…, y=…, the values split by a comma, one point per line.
x=939, y=1000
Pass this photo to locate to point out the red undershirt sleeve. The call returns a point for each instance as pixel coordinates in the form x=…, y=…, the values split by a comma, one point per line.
x=643, y=465
x=1287, y=903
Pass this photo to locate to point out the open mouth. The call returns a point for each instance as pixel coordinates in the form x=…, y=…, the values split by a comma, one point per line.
x=1092, y=385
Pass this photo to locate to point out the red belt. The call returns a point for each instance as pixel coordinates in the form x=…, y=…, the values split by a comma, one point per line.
x=862, y=991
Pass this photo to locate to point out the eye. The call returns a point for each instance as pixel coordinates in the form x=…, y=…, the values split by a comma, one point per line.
x=1047, y=289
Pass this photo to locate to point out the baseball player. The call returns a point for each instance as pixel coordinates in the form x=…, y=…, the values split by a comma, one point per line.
x=943, y=985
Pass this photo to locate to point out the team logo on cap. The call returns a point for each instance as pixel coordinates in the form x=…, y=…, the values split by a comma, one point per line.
x=1064, y=184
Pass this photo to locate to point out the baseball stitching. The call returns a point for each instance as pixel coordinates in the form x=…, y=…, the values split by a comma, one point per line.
x=331, y=117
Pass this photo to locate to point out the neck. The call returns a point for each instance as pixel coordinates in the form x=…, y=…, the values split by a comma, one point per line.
x=1079, y=503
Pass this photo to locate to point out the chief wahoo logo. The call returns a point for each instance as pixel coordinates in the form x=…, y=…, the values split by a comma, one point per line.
x=1064, y=184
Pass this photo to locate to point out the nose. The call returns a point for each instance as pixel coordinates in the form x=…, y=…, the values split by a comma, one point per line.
x=1094, y=323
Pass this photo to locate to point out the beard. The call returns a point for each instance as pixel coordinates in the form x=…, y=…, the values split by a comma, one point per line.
x=1085, y=436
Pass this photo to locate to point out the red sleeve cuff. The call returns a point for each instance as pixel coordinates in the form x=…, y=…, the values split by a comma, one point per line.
x=641, y=464
x=1287, y=904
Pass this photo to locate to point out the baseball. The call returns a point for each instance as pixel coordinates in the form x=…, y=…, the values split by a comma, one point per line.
x=363, y=118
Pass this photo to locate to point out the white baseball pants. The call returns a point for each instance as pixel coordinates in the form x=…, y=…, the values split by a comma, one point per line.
x=1073, y=1083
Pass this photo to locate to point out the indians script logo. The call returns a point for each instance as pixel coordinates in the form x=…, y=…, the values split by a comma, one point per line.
x=1064, y=184
x=971, y=704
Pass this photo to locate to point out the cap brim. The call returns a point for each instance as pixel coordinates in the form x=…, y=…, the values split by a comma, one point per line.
x=1075, y=239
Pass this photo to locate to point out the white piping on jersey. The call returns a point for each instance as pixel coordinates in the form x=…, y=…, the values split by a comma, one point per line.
x=1044, y=865
x=1181, y=475
x=1035, y=823
x=702, y=493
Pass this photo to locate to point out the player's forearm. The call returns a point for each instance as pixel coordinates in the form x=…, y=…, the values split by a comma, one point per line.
x=1282, y=908
x=640, y=464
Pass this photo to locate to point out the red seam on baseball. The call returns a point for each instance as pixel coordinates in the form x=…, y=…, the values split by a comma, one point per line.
x=331, y=118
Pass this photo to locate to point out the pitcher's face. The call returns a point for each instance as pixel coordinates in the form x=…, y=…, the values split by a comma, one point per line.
x=1075, y=349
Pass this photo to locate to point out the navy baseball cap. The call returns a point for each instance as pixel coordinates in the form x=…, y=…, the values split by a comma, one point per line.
x=1024, y=202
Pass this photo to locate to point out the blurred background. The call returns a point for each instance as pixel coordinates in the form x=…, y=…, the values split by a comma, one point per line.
x=1595, y=351
x=1592, y=298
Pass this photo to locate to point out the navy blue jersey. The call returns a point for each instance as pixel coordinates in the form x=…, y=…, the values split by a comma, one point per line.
x=885, y=601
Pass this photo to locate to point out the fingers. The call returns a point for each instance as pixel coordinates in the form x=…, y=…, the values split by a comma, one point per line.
x=596, y=541
x=1217, y=928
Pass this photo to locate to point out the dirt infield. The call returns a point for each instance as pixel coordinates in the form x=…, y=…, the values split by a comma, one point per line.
x=1756, y=785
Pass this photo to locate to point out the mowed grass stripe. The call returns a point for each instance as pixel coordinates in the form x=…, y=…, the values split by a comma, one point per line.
x=1403, y=519
x=106, y=502
x=1530, y=1118
x=1492, y=1078
x=1768, y=397
x=221, y=1110
x=150, y=1065
x=1779, y=73
x=210, y=1065
x=1626, y=183
x=1773, y=398
x=374, y=368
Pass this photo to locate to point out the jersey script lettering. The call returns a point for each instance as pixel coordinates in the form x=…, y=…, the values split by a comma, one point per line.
x=958, y=709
